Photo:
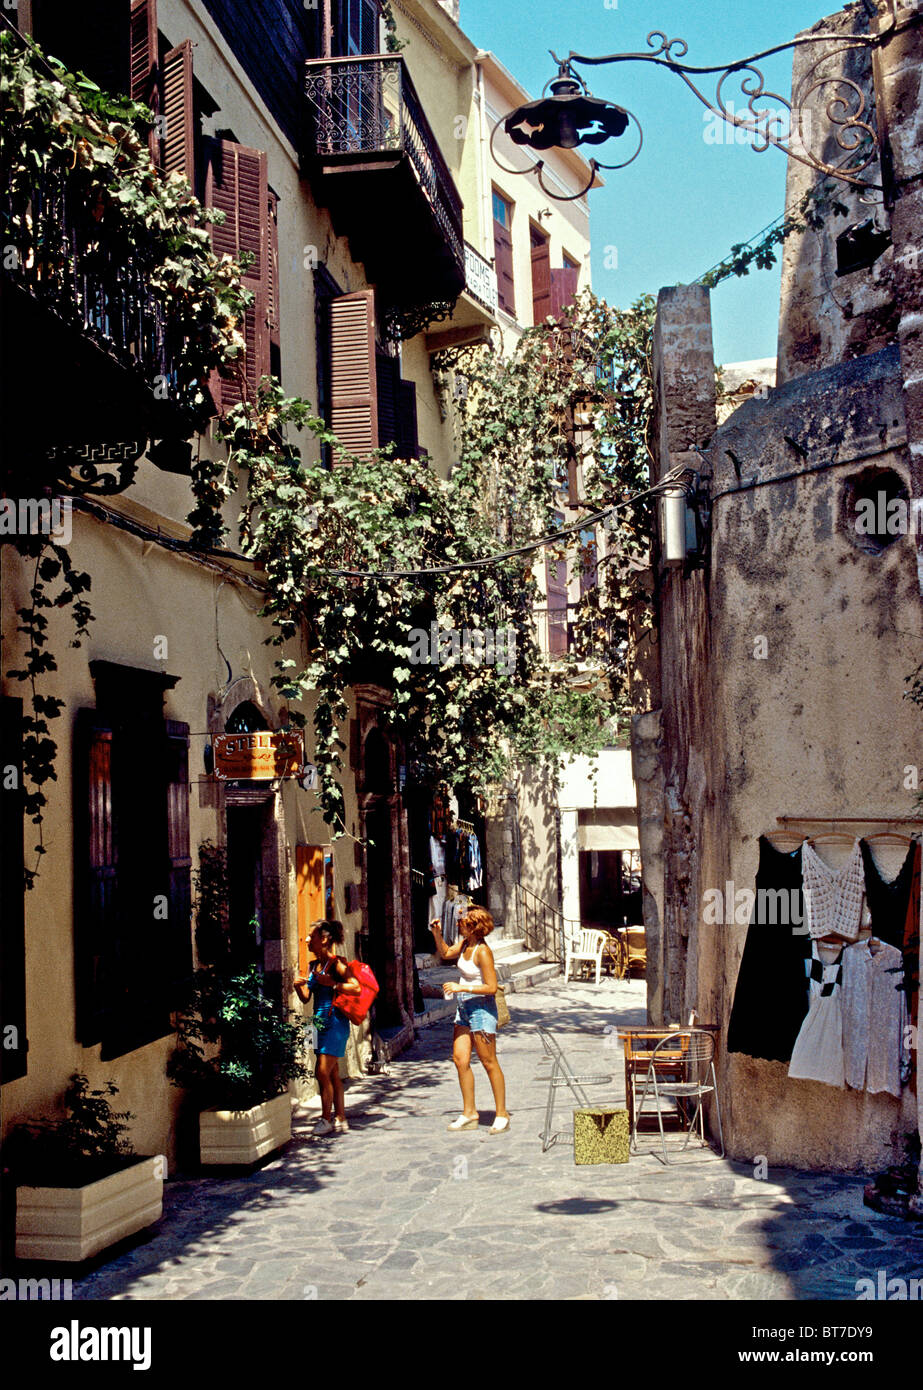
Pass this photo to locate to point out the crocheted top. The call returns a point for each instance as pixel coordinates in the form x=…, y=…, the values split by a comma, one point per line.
x=833, y=899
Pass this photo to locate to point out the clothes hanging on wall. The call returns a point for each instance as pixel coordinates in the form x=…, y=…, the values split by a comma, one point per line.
x=455, y=870
x=473, y=865
x=439, y=816
x=888, y=901
x=874, y=1017
x=818, y=1051
x=771, y=997
x=833, y=898
x=452, y=909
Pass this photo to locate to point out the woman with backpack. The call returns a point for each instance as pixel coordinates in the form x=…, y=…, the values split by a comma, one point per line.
x=475, y=1015
x=329, y=975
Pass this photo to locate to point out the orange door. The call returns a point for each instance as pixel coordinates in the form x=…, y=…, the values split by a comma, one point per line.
x=309, y=875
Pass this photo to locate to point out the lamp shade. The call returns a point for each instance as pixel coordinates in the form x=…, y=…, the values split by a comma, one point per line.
x=566, y=119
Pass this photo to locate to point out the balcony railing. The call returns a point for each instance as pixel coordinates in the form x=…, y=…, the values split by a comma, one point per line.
x=368, y=105
x=75, y=260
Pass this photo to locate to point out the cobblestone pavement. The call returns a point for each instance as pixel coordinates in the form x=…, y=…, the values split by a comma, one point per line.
x=399, y=1208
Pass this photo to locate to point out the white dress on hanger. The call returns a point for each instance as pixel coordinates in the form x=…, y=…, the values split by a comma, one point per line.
x=818, y=1051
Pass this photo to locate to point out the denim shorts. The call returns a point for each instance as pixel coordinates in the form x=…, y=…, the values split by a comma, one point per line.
x=477, y=1012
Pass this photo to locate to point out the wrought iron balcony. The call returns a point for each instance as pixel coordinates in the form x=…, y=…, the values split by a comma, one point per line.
x=84, y=331
x=385, y=180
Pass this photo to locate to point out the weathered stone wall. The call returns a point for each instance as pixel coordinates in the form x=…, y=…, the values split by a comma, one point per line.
x=782, y=663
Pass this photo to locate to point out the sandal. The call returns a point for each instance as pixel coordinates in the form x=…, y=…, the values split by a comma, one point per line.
x=501, y=1125
x=465, y=1122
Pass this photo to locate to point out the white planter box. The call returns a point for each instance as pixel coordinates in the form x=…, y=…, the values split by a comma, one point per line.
x=73, y=1223
x=245, y=1136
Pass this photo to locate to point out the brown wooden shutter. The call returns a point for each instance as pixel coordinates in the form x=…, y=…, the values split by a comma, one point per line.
x=541, y=277
x=503, y=263
x=95, y=874
x=179, y=121
x=563, y=289
x=178, y=934
x=13, y=1059
x=353, y=393
x=556, y=589
x=143, y=83
x=237, y=184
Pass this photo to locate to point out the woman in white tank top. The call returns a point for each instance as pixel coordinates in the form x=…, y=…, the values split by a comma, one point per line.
x=475, y=1015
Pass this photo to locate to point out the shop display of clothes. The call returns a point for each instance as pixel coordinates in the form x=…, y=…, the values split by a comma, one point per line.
x=463, y=859
x=833, y=898
x=874, y=1008
x=452, y=910
x=818, y=1052
x=771, y=997
x=888, y=902
x=436, y=880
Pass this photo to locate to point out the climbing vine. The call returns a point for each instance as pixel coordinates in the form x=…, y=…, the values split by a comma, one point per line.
x=456, y=646
x=85, y=148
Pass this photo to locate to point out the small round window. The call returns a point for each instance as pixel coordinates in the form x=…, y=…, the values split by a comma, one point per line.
x=246, y=719
x=878, y=509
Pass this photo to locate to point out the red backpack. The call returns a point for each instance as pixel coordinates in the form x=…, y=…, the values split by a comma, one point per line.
x=356, y=1006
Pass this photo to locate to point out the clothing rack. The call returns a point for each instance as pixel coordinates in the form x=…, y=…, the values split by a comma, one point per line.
x=465, y=825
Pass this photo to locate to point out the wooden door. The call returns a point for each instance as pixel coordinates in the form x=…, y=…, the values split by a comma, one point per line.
x=309, y=878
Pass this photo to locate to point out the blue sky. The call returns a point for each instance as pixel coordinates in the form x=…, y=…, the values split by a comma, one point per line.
x=680, y=207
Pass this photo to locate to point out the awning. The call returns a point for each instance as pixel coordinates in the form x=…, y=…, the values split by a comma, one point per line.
x=608, y=828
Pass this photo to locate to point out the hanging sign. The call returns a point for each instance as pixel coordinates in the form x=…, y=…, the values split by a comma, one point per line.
x=258, y=757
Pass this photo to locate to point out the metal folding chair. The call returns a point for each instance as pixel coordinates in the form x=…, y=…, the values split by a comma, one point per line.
x=698, y=1049
x=562, y=1075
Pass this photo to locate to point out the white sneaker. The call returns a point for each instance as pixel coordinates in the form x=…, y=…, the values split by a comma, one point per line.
x=340, y=1126
x=322, y=1127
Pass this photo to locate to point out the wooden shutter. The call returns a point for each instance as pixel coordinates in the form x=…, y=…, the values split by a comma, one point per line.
x=407, y=443
x=541, y=277
x=143, y=82
x=563, y=289
x=13, y=1060
x=309, y=878
x=368, y=27
x=178, y=144
x=556, y=589
x=353, y=375
x=178, y=924
x=388, y=375
x=237, y=184
x=503, y=263
x=95, y=874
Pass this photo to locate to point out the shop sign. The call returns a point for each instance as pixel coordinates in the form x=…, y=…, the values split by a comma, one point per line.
x=258, y=757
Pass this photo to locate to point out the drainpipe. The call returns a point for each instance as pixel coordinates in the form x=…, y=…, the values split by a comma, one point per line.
x=484, y=139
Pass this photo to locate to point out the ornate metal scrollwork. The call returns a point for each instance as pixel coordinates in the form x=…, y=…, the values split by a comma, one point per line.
x=102, y=468
x=786, y=124
x=401, y=322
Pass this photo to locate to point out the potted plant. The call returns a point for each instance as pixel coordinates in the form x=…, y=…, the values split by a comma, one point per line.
x=79, y=1185
x=237, y=1053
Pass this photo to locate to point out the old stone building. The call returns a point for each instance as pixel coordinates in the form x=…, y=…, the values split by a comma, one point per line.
x=774, y=704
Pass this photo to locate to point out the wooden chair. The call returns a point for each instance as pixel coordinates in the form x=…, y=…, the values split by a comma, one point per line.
x=636, y=944
x=639, y=1047
x=584, y=944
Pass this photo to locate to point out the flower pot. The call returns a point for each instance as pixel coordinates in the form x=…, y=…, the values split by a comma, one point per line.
x=244, y=1136
x=73, y=1223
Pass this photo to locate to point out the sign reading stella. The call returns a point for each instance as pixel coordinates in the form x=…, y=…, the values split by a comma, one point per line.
x=259, y=757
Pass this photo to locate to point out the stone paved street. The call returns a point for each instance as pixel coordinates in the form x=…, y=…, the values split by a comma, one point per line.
x=400, y=1208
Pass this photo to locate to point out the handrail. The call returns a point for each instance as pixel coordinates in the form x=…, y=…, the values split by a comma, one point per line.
x=544, y=927
x=350, y=109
